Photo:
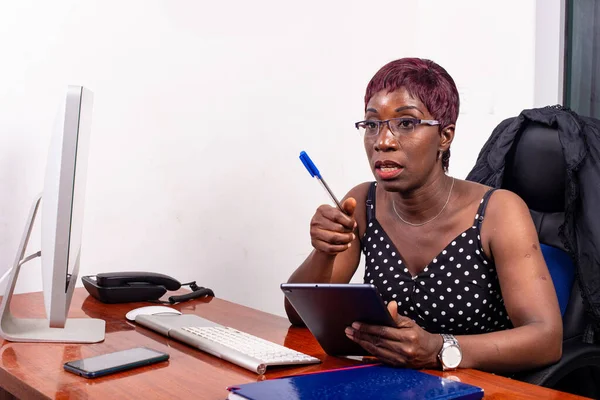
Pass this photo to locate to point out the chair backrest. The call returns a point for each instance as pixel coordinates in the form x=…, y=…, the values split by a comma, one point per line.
x=536, y=171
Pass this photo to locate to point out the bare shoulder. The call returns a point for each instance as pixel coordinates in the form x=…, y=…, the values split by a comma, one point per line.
x=508, y=217
x=359, y=192
x=500, y=201
x=506, y=203
x=507, y=224
x=471, y=192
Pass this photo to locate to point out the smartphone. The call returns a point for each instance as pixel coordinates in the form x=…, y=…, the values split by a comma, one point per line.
x=105, y=364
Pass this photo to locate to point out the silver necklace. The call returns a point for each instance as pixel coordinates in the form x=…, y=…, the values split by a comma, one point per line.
x=428, y=221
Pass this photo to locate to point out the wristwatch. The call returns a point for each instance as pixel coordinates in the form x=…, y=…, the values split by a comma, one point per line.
x=450, y=355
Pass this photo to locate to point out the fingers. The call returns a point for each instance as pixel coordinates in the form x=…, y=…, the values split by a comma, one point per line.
x=328, y=247
x=401, y=321
x=331, y=230
x=387, y=332
x=407, y=345
x=372, y=333
x=404, y=322
x=369, y=341
x=345, y=218
x=393, y=309
x=349, y=205
x=330, y=242
x=319, y=223
x=379, y=347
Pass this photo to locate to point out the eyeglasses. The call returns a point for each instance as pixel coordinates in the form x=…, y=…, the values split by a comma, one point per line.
x=398, y=126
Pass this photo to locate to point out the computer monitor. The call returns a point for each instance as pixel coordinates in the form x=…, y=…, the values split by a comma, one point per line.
x=62, y=222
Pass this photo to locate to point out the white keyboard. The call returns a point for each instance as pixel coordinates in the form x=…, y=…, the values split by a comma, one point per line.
x=241, y=348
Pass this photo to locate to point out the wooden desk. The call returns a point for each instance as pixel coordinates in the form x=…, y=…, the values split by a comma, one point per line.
x=35, y=370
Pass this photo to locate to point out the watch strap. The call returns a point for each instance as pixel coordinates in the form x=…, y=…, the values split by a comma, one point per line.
x=450, y=339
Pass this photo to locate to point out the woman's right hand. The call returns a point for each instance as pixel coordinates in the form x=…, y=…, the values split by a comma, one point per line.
x=331, y=230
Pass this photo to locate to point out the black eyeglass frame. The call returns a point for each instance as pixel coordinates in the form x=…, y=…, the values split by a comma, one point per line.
x=415, y=121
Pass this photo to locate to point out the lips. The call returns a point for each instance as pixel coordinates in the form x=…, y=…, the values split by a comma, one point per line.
x=387, y=169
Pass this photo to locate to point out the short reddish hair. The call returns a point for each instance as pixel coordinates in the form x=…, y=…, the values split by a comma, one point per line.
x=425, y=81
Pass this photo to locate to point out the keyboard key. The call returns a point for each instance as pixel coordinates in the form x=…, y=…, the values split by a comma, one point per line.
x=246, y=350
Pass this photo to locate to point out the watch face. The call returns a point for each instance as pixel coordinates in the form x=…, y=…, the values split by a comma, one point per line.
x=451, y=356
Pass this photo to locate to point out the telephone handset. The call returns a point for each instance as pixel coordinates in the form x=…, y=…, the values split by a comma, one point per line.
x=134, y=286
x=116, y=279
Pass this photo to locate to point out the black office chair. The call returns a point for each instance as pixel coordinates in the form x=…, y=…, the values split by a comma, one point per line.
x=535, y=170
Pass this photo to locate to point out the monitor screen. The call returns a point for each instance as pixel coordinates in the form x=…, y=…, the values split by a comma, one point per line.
x=63, y=201
x=62, y=224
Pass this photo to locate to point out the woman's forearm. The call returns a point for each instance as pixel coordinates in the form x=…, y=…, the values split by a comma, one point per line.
x=318, y=267
x=525, y=347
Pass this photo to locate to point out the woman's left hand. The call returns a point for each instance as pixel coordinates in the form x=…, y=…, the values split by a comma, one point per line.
x=406, y=345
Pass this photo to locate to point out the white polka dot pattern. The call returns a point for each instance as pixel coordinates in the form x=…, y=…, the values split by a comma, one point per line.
x=461, y=279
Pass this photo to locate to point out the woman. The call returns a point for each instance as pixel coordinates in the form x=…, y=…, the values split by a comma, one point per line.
x=458, y=264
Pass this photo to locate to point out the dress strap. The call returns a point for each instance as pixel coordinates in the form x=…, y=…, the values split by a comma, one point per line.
x=371, y=202
x=482, y=206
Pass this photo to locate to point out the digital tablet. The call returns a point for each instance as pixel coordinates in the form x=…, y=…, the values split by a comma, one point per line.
x=328, y=308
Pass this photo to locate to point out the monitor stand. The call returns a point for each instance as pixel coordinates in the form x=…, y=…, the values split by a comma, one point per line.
x=76, y=330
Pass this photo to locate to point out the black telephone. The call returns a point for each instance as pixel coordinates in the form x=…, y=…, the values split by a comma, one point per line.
x=128, y=287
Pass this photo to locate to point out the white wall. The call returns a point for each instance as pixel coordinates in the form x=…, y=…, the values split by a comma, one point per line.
x=201, y=109
x=549, y=52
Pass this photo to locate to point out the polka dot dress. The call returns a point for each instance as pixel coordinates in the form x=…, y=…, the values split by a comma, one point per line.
x=458, y=291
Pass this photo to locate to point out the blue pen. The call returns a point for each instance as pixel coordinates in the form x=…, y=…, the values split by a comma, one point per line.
x=314, y=172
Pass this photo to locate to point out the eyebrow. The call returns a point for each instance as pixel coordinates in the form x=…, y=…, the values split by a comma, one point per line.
x=399, y=109
x=408, y=108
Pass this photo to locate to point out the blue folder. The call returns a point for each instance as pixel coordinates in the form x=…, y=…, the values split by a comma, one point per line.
x=369, y=382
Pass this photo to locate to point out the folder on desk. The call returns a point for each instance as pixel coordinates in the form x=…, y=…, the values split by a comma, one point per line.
x=368, y=382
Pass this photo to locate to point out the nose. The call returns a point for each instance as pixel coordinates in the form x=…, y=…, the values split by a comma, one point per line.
x=386, y=141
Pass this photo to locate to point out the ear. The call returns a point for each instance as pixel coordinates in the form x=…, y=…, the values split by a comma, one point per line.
x=446, y=137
